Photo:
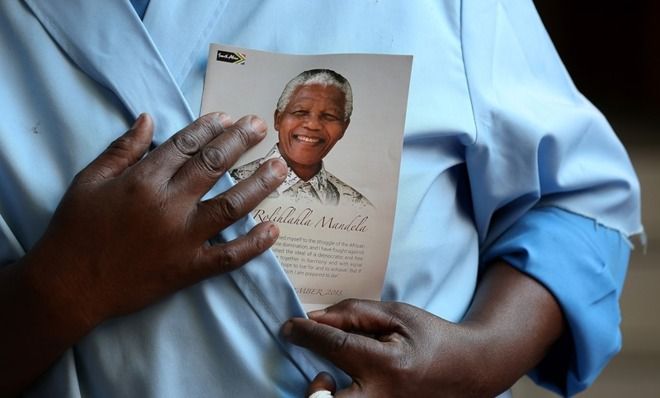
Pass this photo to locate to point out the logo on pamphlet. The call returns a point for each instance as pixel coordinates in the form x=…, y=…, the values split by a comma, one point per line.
x=231, y=57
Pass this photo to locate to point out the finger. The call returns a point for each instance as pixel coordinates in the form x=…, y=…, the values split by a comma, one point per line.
x=121, y=153
x=351, y=352
x=354, y=391
x=197, y=175
x=168, y=157
x=322, y=382
x=225, y=257
x=217, y=213
x=363, y=316
x=321, y=394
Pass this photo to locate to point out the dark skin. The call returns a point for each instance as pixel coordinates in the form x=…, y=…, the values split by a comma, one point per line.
x=397, y=350
x=92, y=264
x=129, y=231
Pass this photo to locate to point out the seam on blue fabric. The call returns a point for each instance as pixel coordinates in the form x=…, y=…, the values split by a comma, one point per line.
x=65, y=45
x=174, y=82
x=62, y=39
x=163, y=64
x=630, y=238
x=187, y=66
x=465, y=72
x=256, y=292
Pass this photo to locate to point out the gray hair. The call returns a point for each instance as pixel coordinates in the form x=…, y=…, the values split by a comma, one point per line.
x=324, y=77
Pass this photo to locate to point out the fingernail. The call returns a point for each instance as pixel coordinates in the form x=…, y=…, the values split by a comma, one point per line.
x=139, y=121
x=225, y=119
x=273, y=231
x=258, y=125
x=279, y=168
x=315, y=314
x=286, y=329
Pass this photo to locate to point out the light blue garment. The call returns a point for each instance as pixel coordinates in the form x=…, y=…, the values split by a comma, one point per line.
x=497, y=141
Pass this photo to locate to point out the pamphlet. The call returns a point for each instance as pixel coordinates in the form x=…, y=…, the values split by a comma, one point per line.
x=337, y=120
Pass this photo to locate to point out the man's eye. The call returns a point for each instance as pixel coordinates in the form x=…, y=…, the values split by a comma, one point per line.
x=299, y=113
x=330, y=117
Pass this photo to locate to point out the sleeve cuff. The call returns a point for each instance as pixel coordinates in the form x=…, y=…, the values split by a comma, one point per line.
x=583, y=264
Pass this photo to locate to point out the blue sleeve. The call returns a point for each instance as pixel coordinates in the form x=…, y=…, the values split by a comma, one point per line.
x=540, y=147
x=583, y=264
x=538, y=140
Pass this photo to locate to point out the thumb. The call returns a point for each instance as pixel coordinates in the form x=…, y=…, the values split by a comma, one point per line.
x=323, y=386
x=121, y=153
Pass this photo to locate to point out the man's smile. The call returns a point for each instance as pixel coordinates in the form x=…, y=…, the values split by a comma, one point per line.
x=307, y=139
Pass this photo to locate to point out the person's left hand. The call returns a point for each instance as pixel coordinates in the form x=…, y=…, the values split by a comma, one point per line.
x=397, y=350
x=393, y=350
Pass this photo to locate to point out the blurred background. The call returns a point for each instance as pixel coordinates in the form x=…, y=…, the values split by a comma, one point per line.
x=612, y=51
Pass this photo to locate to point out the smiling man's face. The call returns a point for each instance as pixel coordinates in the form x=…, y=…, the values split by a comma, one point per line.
x=309, y=126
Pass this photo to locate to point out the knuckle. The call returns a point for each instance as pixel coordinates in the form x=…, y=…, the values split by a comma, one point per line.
x=241, y=135
x=264, y=183
x=404, y=364
x=212, y=122
x=186, y=143
x=121, y=146
x=228, y=257
x=229, y=207
x=138, y=186
x=351, y=305
x=209, y=125
x=400, y=366
x=84, y=176
x=339, y=343
x=403, y=314
x=259, y=244
x=214, y=159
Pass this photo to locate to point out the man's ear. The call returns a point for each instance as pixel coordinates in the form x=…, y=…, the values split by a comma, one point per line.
x=346, y=123
x=276, y=120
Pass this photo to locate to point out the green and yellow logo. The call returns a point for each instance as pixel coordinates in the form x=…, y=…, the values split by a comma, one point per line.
x=230, y=57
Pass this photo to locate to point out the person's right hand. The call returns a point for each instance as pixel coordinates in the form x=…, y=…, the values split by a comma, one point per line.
x=133, y=228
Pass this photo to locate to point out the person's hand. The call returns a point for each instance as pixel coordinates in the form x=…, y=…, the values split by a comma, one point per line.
x=397, y=350
x=392, y=350
x=133, y=228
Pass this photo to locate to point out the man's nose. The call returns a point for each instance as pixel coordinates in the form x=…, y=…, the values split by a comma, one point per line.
x=312, y=122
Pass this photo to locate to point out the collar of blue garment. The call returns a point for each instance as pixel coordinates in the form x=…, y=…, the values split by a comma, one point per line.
x=160, y=58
